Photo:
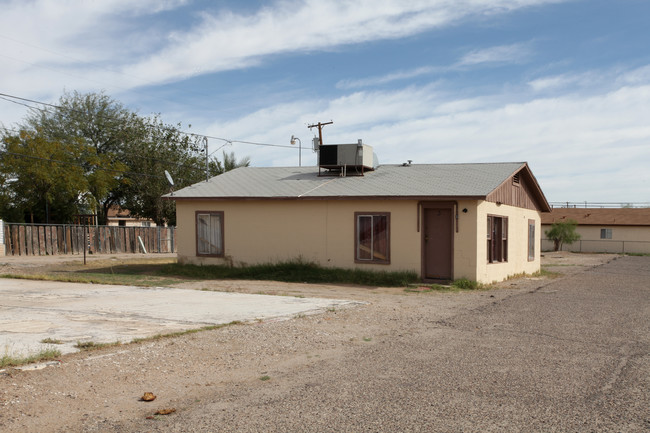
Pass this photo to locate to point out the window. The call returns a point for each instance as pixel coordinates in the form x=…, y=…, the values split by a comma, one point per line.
x=497, y=239
x=605, y=233
x=146, y=223
x=372, y=243
x=209, y=234
x=531, y=240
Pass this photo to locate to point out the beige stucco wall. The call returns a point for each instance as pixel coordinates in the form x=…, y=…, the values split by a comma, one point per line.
x=323, y=231
x=628, y=239
x=517, y=242
x=465, y=254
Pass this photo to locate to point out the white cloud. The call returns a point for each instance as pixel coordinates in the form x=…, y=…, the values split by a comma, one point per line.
x=588, y=80
x=513, y=53
x=385, y=79
x=637, y=76
x=227, y=41
x=90, y=46
x=580, y=147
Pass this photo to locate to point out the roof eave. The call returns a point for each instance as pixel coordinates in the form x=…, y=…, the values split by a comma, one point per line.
x=365, y=197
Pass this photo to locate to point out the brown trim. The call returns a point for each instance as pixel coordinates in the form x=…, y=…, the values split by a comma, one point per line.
x=436, y=205
x=531, y=223
x=196, y=233
x=504, y=251
x=536, y=191
x=356, y=238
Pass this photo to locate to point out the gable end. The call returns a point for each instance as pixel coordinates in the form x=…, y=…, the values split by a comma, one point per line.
x=520, y=190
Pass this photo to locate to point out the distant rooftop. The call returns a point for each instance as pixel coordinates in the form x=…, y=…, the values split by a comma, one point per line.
x=592, y=204
x=598, y=216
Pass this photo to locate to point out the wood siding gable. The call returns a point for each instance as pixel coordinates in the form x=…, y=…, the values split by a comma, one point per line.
x=520, y=190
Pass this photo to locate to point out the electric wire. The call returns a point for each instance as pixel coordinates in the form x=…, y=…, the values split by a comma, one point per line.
x=178, y=164
x=193, y=134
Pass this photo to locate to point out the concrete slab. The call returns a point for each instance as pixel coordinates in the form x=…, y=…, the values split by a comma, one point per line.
x=31, y=311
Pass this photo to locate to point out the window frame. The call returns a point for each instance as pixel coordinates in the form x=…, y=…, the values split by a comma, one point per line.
x=531, y=240
x=606, y=233
x=220, y=214
x=372, y=259
x=500, y=232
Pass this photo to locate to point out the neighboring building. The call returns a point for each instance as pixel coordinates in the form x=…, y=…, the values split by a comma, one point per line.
x=122, y=217
x=444, y=221
x=603, y=230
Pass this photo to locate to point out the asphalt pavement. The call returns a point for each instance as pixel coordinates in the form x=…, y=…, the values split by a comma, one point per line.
x=572, y=355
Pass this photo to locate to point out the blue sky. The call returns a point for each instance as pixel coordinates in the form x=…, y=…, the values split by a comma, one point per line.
x=563, y=85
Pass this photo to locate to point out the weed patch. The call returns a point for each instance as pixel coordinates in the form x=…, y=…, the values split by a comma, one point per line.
x=293, y=271
x=97, y=278
x=188, y=331
x=545, y=273
x=455, y=286
x=465, y=284
x=44, y=355
x=91, y=345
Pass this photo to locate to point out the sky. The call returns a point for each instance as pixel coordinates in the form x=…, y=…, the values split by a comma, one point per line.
x=561, y=84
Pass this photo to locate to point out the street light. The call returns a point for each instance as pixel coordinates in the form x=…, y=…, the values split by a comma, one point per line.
x=293, y=141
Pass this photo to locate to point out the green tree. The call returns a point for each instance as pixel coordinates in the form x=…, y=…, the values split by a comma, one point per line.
x=101, y=126
x=229, y=163
x=563, y=233
x=162, y=148
x=41, y=179
x=122, y=156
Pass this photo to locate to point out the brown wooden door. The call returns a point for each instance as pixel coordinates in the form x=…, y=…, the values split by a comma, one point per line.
x=437, y=244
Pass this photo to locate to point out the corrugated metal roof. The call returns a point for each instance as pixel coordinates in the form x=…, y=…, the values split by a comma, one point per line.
x=600, y=217
x=416, y=180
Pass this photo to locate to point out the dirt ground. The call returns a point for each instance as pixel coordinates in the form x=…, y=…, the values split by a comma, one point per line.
x=223, y=376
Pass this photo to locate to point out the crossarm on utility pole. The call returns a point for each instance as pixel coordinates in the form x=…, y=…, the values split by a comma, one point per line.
x=320, y=125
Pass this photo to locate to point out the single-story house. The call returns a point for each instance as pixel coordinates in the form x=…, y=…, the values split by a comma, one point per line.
x=444, y=221
x=123, y=218
x=603, y=230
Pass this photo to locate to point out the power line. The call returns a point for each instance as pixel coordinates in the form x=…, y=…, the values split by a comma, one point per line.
x=193, y=166
x=193, y=134
x=142, y=81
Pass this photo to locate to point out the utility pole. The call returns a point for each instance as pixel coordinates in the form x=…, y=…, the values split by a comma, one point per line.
x=320, y=125
x=207, y=165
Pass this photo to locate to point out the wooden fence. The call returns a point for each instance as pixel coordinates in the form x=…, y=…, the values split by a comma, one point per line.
x=52, y=239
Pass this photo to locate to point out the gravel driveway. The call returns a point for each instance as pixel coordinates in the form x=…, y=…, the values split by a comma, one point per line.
x=567, y=354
